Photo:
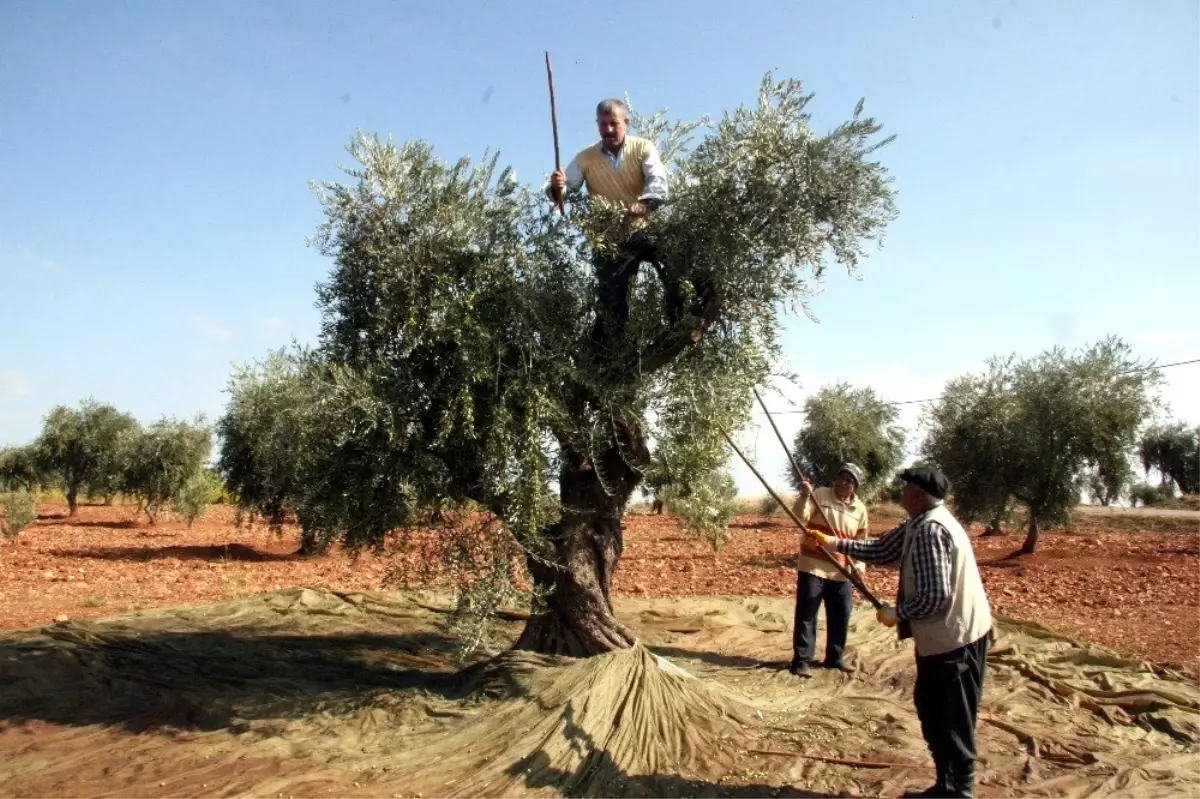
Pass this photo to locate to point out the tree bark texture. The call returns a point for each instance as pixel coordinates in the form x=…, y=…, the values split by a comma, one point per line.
x=1031, y=536
x=578, y=565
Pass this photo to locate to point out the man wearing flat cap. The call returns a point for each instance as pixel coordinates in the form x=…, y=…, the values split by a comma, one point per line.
x=835, y=511
x=942, y=605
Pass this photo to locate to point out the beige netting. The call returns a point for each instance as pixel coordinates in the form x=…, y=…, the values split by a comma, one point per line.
x=313, y=693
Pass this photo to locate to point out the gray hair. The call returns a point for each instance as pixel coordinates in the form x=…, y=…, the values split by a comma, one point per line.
x=612, y=106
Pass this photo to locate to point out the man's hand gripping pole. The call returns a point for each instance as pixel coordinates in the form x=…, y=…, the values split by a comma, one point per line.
x=854, y=579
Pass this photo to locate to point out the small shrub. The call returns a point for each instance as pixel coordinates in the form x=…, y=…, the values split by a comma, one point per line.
x=1150, y=495
x=769, y=507
x=20, y=510
x=218, y=492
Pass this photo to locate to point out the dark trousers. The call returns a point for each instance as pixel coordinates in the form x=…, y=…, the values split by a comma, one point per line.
x=838, y=597
x=947, y=695
x=615, y=272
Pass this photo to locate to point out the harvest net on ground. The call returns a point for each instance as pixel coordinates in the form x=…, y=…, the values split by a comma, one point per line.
x=311, y=692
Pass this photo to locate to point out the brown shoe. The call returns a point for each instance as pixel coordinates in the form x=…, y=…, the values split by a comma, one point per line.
x=842, y=667
x=800, y=670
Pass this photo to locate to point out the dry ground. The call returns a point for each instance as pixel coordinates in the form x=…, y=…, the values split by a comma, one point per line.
x=1135, y=588
x=338, y=689
x=305, y=692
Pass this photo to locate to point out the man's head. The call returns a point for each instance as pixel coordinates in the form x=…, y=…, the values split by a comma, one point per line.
x=845, y=484
x=612, y=119
x=924, y=487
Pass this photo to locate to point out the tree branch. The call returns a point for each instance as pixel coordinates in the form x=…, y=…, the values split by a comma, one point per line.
x=670, y=343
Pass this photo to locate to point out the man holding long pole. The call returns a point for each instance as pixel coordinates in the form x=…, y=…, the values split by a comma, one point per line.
x=629, y=171
x=943, y=606
x=620, y=168
x=842, y=514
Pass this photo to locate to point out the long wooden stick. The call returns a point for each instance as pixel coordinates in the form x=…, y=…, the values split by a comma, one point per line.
x=554, y=126
x=788, y=451
x=853, y=578
x=795, y=466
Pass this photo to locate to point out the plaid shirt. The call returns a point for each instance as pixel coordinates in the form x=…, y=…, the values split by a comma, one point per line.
x=932, y=556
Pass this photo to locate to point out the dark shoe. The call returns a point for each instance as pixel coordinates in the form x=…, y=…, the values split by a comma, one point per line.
x=800, y=670
x=960, y=781
x=935, y=791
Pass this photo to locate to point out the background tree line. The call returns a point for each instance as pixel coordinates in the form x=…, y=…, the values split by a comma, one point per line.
x=1020, y=440
x=1024, y=438
x=96, y=451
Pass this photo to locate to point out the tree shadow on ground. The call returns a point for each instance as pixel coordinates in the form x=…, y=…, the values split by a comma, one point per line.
x=67, y=521
x=758, y=524
x=600, y=776
x=209, y=681
x=718, y=659
x=239, y=552
x=1019, y=557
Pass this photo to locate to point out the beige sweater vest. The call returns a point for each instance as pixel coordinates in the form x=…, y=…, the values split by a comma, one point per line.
x=968, y=616
x=624, y=186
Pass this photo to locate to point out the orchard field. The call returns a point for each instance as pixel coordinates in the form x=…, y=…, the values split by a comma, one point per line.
x=158, y=660
x=1126, y=579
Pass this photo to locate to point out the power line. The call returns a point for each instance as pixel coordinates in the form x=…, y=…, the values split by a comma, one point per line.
x=935, y=399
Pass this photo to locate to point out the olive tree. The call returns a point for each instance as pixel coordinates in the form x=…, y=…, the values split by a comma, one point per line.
x=842, y=423
x=1033, y=431
x=20, y=469
x=475, y=352
x=82, y=447
x=1174, y=450
x=261, y=438
x=163, y=460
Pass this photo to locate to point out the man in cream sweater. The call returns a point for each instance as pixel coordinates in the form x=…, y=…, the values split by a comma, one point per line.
x=839, y=512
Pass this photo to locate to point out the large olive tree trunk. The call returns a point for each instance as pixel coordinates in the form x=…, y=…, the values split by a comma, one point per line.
x=576, y=568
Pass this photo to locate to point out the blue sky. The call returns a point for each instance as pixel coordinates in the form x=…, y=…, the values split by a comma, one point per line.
x=155, y=159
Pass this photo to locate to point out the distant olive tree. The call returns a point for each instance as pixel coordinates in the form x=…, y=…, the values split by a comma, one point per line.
x=843, y=424
x=1107, y=486
x=192, y=498
x=1174, y=450
x=263, y=437
x=81, y=447
x=1031, y=431
x=21, y=469
x=163, y=460
x=1150, y=495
